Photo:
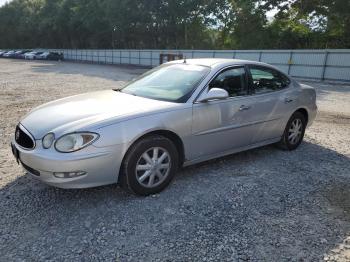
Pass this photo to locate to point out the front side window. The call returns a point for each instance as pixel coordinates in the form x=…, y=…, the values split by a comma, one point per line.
x=232, y=80
x=267, y=80
x=174, y=82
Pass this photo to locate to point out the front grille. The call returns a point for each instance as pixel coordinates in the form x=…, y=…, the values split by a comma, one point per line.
x=31, y=170
x=24, y=139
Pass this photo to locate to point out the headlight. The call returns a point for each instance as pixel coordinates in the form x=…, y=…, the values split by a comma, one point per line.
x=75, y=141
x=48, y=140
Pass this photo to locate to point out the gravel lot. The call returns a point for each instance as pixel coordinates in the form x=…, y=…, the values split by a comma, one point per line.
x=261, y=205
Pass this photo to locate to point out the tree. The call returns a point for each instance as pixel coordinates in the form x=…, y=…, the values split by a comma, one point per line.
x=185, y=24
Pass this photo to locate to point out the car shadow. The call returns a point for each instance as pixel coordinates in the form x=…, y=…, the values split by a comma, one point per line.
x=292, y=190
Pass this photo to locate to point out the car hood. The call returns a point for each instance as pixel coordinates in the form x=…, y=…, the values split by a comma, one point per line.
x=86, y=110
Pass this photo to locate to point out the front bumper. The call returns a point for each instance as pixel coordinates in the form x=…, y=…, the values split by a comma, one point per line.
x=101, y=165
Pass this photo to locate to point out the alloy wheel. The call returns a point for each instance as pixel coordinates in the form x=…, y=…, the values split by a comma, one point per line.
x=153, y=167
x=295, y=131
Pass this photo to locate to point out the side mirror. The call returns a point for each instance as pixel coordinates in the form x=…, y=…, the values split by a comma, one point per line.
x=214, y=94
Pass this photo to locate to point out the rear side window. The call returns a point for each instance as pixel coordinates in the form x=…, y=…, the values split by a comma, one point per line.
x=266, y=80
x=232, y=80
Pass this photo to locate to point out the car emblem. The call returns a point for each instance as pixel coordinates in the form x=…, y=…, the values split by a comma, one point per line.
x=17, y=134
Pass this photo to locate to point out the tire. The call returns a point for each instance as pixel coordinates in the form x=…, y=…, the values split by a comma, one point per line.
x=291, y=140
x=144, y=175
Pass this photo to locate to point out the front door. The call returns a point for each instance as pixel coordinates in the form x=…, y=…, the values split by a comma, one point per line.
x=223, y=125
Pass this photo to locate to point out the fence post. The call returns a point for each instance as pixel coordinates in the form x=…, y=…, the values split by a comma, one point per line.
x=139, y=57
x=290, y=61
x=113, y=56
x=234, y=54
x=151, y=58
x=325, y=65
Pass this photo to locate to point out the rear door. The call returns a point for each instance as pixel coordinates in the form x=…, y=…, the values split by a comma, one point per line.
x=273, y=101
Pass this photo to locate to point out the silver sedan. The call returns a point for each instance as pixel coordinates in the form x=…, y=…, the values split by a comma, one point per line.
x=175, y=115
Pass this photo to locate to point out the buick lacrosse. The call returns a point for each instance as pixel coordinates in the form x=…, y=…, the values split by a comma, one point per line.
x=178, y=114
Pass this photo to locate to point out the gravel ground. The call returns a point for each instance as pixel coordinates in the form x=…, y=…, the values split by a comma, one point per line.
x=261, y=205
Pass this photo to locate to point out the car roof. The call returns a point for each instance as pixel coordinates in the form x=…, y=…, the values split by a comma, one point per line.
x=211, y=62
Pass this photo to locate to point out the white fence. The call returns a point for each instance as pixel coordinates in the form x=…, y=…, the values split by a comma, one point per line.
x=330, y=65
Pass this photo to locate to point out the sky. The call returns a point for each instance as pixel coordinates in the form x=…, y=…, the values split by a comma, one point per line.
x=271, y=14
x=2, y=2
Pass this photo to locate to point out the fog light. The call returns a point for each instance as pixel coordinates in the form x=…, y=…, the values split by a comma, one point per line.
x=69, y=174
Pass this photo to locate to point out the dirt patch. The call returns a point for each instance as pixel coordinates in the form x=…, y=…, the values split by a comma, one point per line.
x=339, y=197
x=332, y=118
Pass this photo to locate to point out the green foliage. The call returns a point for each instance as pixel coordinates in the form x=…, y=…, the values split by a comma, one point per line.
x=185, y=24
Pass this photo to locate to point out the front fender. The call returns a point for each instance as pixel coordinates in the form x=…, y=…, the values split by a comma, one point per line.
x=127, y=132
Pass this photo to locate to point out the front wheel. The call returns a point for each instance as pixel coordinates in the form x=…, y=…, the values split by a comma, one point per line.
x=149, y=166
x=294, y=132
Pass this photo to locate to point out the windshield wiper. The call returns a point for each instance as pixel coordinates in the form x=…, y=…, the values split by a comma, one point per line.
x=120, y=90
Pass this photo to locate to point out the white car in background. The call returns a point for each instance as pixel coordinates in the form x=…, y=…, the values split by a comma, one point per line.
x=32, y=55
x=42, y=56
x=9, y=53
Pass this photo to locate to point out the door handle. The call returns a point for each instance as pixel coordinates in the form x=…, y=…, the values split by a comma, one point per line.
x=288, y=100
x=243, y=108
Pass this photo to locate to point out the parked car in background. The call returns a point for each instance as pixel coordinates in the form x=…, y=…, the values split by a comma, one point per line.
x=2, y=53
x=9, y=54
x=50, y=56
x=178, y=114
x=37, y=56
x=16, y=53
x=20, y=54
x=42, y=56
x=32, y=55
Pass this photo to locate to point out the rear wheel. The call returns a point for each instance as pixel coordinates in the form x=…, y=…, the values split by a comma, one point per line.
x=149, y=166
x=294, y=132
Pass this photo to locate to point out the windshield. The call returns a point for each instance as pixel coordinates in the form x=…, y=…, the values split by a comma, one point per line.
x=174, y=83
